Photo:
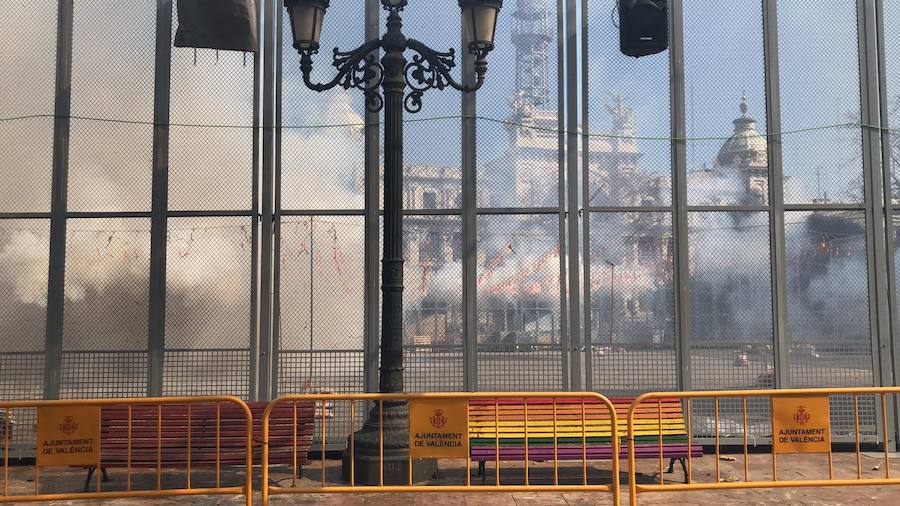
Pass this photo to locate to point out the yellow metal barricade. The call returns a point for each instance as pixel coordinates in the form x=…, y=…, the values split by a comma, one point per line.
x=799, y=421
x=552, y=425
x=147, y=433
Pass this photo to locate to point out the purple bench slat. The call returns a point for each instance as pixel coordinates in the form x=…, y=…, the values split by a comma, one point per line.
x=576, y=453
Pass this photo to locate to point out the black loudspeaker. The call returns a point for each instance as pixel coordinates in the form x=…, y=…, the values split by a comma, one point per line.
x=643, y=27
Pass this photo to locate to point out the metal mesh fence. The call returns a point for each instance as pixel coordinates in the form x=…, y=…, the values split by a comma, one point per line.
x=211, y=88
x=28, y=59
x=27, y=147
x=110, y=166
x=324, y=371
x=107, y=266
x=437, y=368
x=207, y=306
x=98, y=374
x=828, y=299
x=207, y=372
x=321, y=285
x=322, y=166
x=432, y=303
x=518, y=163
x=24, y=246
x=731, y=300
x=632, y=333
x=321, y=313
x=112, y=78
x=518, y=303
x=626, y=101
x=819, y=70
x=431, y=170
x=725, y=98
x=105, y=326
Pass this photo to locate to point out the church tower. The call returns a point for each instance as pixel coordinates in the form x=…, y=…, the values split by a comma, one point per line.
x=532, y=38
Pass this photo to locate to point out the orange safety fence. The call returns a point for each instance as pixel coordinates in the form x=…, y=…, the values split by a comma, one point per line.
x=781, y=425
x=147, y=437
x=493, y=428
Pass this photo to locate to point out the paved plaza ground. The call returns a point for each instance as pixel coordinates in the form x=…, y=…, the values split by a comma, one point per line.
x=453, y=472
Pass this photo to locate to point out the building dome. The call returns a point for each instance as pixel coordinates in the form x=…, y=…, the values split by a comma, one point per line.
x=745, y=148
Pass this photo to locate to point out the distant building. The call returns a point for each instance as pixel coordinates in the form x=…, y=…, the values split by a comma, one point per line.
x=526, y=174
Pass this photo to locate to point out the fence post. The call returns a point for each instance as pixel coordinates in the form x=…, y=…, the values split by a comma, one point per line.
x=372, y=267
x=576, y=352
x=160, y=199
x=586, y=202
x=887, y=188
x=56, y=276
x=776, y=196
x=679, y=195
x=877, y=256
x=266, y=313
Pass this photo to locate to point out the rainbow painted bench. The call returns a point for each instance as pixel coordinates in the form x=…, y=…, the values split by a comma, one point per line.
x=579, y=434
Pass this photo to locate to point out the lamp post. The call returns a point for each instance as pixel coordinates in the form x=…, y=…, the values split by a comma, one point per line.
x=403, y=83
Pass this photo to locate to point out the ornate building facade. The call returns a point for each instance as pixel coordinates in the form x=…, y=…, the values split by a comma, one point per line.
x=527, y=173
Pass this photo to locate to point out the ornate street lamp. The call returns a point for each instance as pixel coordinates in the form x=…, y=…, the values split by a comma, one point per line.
x=403, y=83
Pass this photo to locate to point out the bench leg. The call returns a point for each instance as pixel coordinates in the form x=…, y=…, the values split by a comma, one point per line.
x=683, y=461
x=105, y=475
x=87, y=482
x=481, y=470
x=671, y=468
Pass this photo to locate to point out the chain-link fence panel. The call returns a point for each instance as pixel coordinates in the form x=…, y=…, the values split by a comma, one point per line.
x=28, y=59
x=321, y=284
x=632, y=333
x=432, y=303
x=819, y=70
x=725, y=98
x=211, y=167
x=628, y=109
x=325, y=371
x=730, y=300
x=828, y=299
x=321, y=314
x=432, y=138
x=322, y=141
x=24, y=247
x=112, y=79
x=208, y=278
x=106, y=297
x=519, y=338
x=26, y=165
x=518, y=109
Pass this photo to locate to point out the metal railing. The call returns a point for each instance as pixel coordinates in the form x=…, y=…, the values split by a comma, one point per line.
x=324, y=402
x=879, y=398
x=145, y=439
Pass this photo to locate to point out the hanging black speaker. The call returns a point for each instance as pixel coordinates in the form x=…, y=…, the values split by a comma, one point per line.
x=643, y=27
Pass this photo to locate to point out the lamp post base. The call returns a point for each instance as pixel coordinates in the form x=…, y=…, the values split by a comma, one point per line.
x=384, y=454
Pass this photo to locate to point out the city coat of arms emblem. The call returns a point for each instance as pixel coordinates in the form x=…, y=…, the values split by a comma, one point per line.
x=802, y=416
x=438, y=419
x=68, y=425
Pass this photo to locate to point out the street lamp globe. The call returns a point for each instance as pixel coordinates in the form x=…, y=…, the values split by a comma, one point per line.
x=306, y=22
x=480, y=22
